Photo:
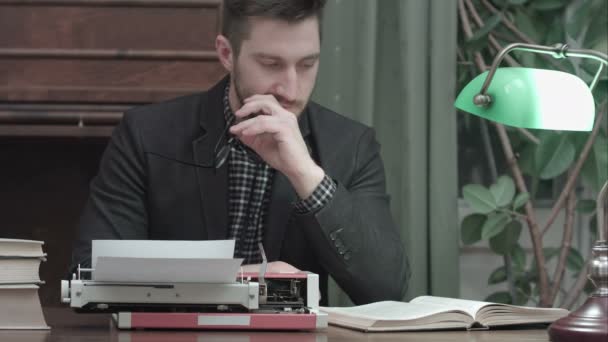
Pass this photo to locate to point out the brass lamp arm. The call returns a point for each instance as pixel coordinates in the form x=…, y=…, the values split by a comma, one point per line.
x=557, y=51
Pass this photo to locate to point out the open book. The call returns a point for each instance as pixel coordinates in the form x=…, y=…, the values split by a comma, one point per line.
x=434, y=313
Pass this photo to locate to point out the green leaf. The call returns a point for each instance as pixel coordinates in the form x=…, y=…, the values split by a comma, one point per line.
x=575, y=261
x=550, y=252
x=548, y=5
x=479, y=198
x=524, y=23
x=524, y=291
x=488, y=26
x=578, y=139
x=579, y=17
x=503, y=191
x=506, y=241
x=499, y=297
x=520, y=200
x=593, y=227
x=585, y=206
x=554, y=155
x=470, y=228
x=494, y=225
x=498, y=276
x=475, y=45
x=555, y=34
x=589, y=287
x=518, y=256
x=595, y=168
x=526, y=160
x=517, y=2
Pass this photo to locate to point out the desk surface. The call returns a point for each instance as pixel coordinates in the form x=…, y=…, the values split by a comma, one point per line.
x=69, y=326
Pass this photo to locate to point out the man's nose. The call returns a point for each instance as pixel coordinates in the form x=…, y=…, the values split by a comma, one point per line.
x=287, y=87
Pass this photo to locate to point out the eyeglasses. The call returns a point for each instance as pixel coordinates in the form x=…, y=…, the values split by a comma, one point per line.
x=220, y=154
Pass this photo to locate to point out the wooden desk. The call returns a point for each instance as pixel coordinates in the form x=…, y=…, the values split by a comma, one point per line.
x=69, y=326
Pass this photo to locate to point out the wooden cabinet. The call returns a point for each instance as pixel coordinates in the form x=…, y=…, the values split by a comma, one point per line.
x=71, y=67
x=68, y=70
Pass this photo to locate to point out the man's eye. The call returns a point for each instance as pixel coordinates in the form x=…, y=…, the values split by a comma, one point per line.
x=307, y=64
x=271, y=65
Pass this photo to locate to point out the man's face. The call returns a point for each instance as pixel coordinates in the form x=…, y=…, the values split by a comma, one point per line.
x=280, y=59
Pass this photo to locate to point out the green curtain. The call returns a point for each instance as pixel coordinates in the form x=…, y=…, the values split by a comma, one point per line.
x=391, y=64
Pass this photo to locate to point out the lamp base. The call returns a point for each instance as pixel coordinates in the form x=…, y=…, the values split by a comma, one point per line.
x=587, y=324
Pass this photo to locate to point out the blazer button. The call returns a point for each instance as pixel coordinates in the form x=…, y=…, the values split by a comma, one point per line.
x=334, y=234
x=338, y=243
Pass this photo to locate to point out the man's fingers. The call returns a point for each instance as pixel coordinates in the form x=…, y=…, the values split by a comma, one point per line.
x=261, y=97
x=261, y=124
x=238, y=128
x=255, y=107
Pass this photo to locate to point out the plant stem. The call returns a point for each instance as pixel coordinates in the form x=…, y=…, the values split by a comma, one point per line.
x=510, y=60
x=577, y=288
x=536, y=237
x=493, y=41
x=514, y=213
x=509, y=270
x=529, y=135
x=535, y=182
x=522, y=36
x=576, y=170
x=485, y=138
x=466, y=27
x=566, y=243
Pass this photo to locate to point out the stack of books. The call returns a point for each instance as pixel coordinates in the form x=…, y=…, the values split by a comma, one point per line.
x=19, y=280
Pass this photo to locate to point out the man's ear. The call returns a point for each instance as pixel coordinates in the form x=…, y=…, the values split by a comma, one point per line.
x=224, y=52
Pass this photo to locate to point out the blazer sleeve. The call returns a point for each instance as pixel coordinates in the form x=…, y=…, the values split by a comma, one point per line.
x=354, y=236
x=115, y=208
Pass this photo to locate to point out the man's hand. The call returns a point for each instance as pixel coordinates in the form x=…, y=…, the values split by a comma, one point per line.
x=271, y=267
x=275, y=136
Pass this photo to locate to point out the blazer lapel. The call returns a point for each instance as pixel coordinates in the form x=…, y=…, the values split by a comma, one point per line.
x=282, y=199
x=213, y=183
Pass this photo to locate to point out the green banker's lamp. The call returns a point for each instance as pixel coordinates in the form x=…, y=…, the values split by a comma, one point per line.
x=549, y=99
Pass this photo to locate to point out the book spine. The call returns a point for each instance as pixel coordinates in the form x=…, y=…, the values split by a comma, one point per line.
x=477, y=326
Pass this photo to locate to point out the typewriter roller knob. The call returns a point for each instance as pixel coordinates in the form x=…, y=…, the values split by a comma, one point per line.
x=65, y=291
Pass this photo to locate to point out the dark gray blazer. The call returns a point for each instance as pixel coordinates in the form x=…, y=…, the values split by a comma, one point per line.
x=141, y=192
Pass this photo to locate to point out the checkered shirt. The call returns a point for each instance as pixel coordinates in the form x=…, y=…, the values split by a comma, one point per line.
x=249, y=188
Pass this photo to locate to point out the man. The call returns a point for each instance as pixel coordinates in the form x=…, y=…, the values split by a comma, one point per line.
x=253, y=160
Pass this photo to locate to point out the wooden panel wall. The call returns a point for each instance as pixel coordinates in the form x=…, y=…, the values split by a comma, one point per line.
x=68, y=70
x=100, y=52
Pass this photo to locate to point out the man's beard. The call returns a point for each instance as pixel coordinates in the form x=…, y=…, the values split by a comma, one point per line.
x=242, y=94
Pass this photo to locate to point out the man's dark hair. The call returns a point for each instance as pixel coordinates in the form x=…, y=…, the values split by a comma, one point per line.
x=236, y=14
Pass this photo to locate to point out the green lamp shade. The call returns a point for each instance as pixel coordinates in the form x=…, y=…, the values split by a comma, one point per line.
x=532, y=98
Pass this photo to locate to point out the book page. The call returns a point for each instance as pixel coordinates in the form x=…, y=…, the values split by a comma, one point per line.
x=19, y=270
x=389, y=310
x=469, y=306
x=505, y=314
x=493, y=314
